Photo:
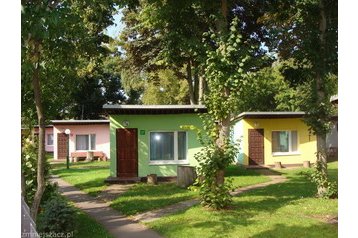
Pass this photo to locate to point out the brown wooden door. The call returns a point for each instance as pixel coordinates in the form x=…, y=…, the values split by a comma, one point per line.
x=62, y=140
x=256, y=146
x=127, y=153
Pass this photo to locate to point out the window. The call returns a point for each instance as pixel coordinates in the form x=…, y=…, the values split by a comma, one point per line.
x=168, y=147
x=86, y=142
x=284, y=142
x=49, y=139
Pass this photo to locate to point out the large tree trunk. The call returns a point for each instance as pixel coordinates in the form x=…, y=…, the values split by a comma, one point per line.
x=224, y=123
x=201, y=90
x=41, y=149
x=322, y=157
x=190, y=83
x=196, y=85
x=321, y=137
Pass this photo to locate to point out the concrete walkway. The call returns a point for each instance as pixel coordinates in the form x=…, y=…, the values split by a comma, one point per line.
x=156, y=214
x=118, y=225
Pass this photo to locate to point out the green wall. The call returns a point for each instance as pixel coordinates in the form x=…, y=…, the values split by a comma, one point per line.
x=147, y=123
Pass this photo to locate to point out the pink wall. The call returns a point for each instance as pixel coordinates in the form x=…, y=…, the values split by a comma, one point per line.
x=101, y=131
x=48, y=148
x=48, y=130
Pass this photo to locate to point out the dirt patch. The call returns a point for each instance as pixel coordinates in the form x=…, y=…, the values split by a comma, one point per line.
x=330, y=219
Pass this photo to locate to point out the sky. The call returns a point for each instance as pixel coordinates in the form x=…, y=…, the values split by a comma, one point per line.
x=117, y=27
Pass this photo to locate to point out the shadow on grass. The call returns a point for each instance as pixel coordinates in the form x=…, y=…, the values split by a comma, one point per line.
x=237, y=170
x=81, y=164
x=284, y=231
x=93, y=187
x=143, y=197
x=89, y=180
x=72, y=171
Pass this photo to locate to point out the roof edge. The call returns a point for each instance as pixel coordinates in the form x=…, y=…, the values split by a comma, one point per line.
x=269, y=115
x=153, y=109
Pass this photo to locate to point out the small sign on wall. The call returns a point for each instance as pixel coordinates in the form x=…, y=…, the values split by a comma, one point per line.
x=142, y=132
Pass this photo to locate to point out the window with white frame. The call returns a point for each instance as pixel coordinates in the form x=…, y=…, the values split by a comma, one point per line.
x=86, y=142
x=168, y=147
x=49, y=139
x=284, y=142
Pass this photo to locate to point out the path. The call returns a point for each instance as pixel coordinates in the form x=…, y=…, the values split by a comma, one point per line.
x=156, y=214
x=118, y=225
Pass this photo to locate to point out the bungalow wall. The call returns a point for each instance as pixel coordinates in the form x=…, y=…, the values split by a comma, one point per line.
x=306, y=141
x=154, y=123
x=49, y=139
x=100, y=130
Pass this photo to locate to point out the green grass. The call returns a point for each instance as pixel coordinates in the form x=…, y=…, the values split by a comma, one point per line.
x=244, y=177
x=281, y=210
x=49, y=156
x=143, y=197
x=87, y=176
x=88, y=227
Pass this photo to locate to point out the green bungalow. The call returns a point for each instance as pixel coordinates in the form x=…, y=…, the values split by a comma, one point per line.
x=149, y=139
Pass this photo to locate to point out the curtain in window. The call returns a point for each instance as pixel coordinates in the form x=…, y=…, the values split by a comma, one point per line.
x=181, y=145
x=162, y=146
x=280, y=141
x=82, y=142
x=294, y=142
x=93, y=141
x=50, y=139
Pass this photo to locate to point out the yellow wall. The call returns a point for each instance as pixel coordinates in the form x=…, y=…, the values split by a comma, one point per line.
x=306, y=141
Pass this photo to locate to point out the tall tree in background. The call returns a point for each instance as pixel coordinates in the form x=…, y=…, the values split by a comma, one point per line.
x=54, y=35
x=307, y=31
x=161, y=34
x=97, y=85
x=166, y=35
x=165, y=89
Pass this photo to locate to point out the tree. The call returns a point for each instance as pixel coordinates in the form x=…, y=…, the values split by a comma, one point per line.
x=159, y=35
x=54, y=36
x=307, y=31
x=230, y=65
x=165, y=89
x=101, y=84
x=260, y=92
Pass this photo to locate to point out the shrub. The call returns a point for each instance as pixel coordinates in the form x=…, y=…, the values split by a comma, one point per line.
x=29, y=171
x=211, y=160
x=57, y=216
x=321, y=180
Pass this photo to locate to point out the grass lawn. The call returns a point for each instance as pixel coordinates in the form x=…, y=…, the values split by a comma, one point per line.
x=244, y=177
x=281, y=210
x=90, y=176
x=88, y=227
x=143, y=197
x=87, y=176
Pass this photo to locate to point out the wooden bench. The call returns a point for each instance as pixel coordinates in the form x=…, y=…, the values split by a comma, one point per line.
x=85, y=154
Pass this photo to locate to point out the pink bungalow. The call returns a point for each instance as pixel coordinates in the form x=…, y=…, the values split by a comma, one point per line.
x=84, y=136
x=48, y=137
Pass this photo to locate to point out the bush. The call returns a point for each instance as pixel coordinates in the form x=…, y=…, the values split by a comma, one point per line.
x=57, y=217
x=321, y=180
x=211, y=160
x=29, y=171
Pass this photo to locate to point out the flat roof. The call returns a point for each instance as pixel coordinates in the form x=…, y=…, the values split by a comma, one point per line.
x=334, y=99
x=79, y=122
x=46, y=126
x=270, y=115
x=153, y=109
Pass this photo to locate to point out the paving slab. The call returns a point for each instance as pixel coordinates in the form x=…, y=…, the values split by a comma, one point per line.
x=117, y=224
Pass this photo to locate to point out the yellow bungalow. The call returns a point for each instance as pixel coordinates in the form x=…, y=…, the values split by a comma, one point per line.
x=266, y=138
